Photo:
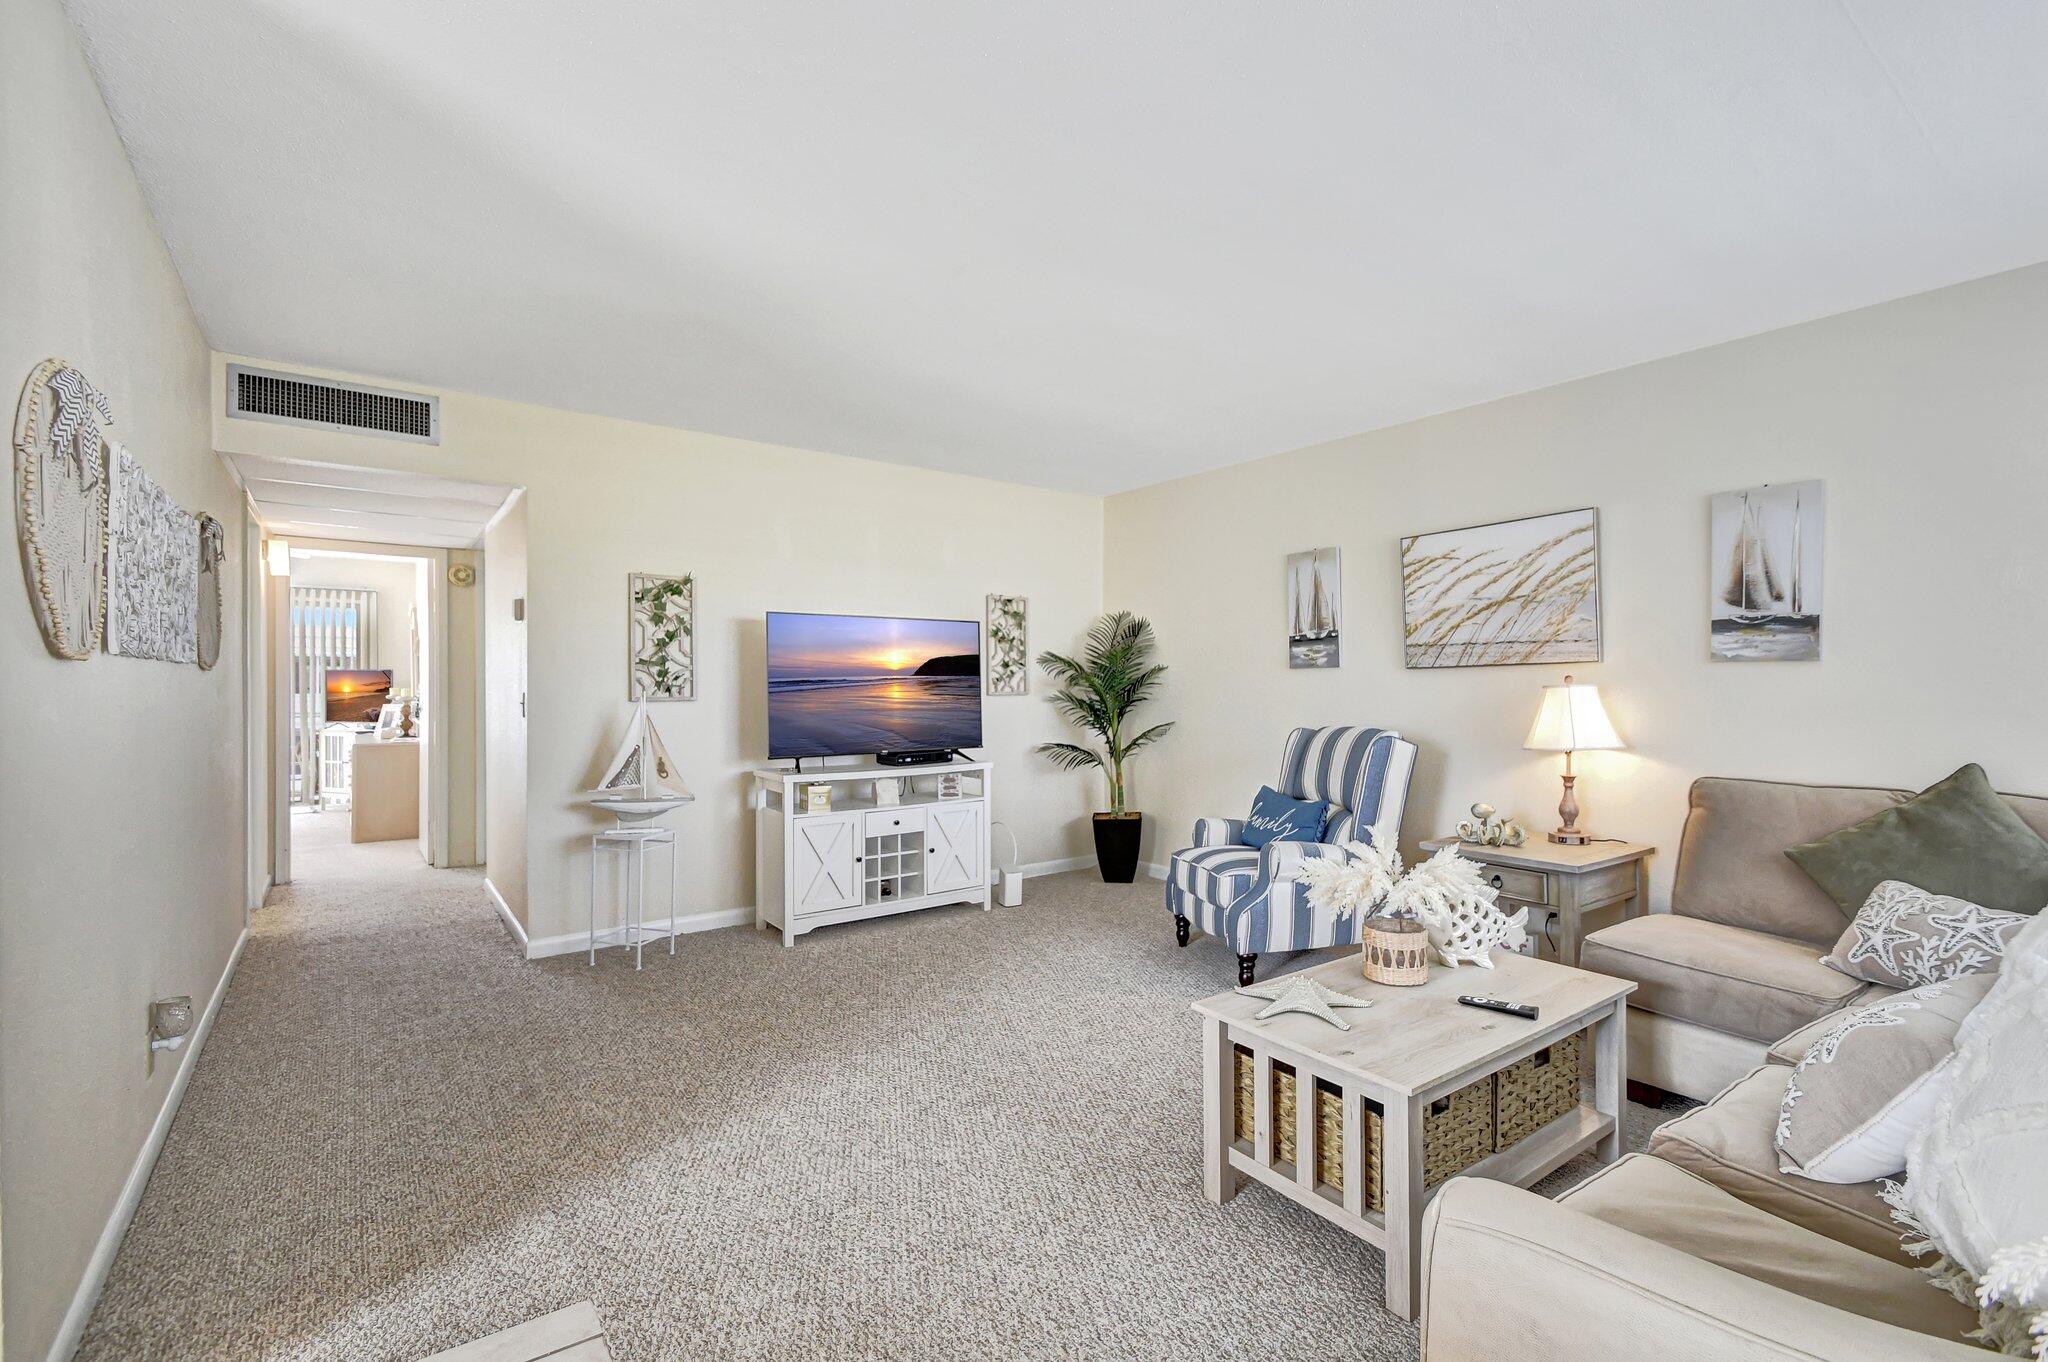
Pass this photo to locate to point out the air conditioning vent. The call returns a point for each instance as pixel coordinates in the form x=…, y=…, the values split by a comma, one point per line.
x=255, y=395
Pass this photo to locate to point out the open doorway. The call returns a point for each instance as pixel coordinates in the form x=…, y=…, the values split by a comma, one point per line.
x=372, y=620
x=362, y=640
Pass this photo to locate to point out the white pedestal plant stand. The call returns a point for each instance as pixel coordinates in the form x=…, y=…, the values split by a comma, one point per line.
x=633, y=930
x=632, y=835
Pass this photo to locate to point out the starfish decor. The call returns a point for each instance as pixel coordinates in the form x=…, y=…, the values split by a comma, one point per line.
x=1299, y=993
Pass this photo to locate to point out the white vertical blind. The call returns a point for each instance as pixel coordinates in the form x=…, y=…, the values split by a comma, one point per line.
x=332, y=627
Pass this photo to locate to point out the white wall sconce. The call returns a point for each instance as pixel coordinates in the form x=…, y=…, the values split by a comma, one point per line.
x=280, y=554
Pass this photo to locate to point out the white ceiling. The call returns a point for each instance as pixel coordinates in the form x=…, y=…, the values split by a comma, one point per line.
x=367, y=505
x=1071, y=243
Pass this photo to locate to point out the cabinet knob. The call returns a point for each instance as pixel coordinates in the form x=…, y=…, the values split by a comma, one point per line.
x=1496, y=882
x=858, y=859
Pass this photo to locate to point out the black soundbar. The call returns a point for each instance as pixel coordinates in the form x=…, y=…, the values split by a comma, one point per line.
x=928, y=757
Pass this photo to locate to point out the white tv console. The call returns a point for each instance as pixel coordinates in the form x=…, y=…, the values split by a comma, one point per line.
x=866, y=859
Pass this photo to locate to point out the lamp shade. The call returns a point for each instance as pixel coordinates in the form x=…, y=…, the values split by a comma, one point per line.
x=1572, y=720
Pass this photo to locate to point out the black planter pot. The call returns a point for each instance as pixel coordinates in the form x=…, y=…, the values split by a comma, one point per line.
x=1116, y=846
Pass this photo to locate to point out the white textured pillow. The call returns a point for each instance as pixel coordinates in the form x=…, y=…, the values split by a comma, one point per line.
x=1867, y=1086
x=1977, y=1172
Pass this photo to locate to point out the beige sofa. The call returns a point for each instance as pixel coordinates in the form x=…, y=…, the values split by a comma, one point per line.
x=1699, y=1248
x=1736, y=963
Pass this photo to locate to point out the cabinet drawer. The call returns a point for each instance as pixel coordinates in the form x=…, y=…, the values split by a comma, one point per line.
x=1530, y=886
x=895, y=819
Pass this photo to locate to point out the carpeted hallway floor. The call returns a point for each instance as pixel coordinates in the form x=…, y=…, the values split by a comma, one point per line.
x=951, y=1135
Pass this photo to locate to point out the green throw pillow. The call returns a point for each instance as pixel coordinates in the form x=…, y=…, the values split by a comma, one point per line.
x=1957, y=837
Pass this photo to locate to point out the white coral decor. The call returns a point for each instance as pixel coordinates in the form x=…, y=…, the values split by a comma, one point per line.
x=1444, y=893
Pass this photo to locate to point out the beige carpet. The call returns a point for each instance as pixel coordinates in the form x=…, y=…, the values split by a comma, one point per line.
x=949, y=1135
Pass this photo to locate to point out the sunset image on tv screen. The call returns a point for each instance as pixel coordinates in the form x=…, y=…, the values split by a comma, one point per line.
x=852, y=684
x=354, y=696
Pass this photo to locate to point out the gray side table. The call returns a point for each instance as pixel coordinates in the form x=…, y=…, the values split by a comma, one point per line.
x=1568, y=890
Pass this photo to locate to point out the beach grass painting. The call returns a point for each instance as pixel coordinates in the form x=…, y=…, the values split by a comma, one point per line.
x=1765, y=565
x=661, y=642
x=1504, y=594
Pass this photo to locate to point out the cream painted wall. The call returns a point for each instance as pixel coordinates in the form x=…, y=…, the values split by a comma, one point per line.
x=763, y=528
x=1927, y=417
x=395, y=580
x=98, y=916
x=504, y=707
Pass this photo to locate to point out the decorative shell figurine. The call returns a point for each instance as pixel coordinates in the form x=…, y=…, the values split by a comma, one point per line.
x=1445, y=894
x=1488, y=829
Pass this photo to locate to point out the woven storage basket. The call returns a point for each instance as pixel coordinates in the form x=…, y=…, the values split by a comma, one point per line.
x=1329, y=1121
x=1535, y=1091
x=1457, y=1131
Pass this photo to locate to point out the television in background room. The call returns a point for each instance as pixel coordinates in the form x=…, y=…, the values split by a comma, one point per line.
x=849, y=685
x=355, y=695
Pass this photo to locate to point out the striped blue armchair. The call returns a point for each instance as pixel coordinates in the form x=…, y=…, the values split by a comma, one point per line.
x=1242, y=894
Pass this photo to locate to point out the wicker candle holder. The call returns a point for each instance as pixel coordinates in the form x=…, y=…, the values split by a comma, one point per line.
x=1394, y=950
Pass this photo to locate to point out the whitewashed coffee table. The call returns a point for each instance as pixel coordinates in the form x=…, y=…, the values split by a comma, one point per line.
x=1412, y=1046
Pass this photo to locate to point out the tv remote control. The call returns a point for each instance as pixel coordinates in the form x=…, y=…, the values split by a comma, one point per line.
x=1524, y=1010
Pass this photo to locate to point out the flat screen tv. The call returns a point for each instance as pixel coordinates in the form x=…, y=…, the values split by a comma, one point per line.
x=355, y=695
x=846, y=685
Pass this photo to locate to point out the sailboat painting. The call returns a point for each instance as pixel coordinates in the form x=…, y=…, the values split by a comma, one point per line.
x=1314, y=608
x=1765, y=573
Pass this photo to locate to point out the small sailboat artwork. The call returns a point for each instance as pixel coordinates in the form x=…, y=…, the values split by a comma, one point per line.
x=641, y=781
x=1767, y=586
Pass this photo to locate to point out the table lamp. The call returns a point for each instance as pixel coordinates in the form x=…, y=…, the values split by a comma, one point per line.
x=1571, y=720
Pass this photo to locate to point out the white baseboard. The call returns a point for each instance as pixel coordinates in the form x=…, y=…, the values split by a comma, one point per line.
x=505, y=912
x=540, y=947
x=102, y=1261
x=1032, y=869
x=1153, y=869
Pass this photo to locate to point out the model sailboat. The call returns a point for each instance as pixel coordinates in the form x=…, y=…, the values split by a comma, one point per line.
x=641, y=781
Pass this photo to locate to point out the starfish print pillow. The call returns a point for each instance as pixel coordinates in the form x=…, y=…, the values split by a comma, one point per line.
x=1904, y=937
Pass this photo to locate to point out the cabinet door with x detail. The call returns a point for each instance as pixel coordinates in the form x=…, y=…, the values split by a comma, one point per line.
x=824, y=871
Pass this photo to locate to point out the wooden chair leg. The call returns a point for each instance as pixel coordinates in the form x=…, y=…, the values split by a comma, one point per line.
x=1245, y=965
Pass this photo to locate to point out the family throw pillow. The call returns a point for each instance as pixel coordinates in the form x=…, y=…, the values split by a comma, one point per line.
x=1904, y=937
x=1866, y=1087
x=1278, y=818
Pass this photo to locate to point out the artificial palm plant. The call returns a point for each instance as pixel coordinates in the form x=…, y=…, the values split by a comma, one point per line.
x=1097, y=691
